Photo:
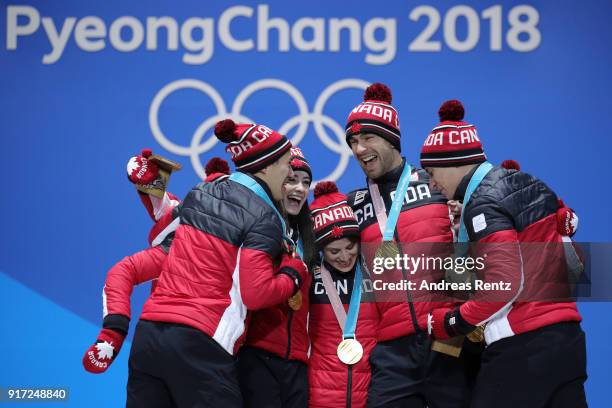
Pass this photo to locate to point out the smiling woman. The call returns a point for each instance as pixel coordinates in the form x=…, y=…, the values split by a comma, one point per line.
x=295, y=193
x=296, y=189
x=275, y=353
x=342, y=253
x=297, y=185
x=339, y=369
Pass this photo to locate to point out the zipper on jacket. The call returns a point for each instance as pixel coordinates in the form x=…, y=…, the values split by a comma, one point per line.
x=349, y=386
x=289, y=320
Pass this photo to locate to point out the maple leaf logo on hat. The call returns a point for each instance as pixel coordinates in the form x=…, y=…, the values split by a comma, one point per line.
x=332, y=217
x=356, y=127
x=336, y=231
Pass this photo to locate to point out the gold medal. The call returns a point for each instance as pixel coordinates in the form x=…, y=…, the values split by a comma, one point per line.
x=387, y=249
x=350, y=351
x=295, y=301
x=476, y=336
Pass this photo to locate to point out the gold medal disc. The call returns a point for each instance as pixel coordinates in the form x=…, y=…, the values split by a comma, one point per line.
x=350, y=351
x=387, y=249
x=476, y=336
x=295, y=301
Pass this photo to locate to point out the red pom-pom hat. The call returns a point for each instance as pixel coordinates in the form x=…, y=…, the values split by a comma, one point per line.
x=299, y=162
x=251, y=146
x=375, y=115
x=332, y=217
x=453, y=142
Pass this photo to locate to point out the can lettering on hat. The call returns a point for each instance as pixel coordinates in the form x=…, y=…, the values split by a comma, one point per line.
x=455, y=137
x=472, y=135
x=467, y=136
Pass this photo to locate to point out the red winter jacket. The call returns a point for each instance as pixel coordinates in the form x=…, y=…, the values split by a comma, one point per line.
x=512, y=216
x=332, y=383
x=143, y=266
x=221, y=263
x=424, y=218
x=281, y=330
x=277, y=329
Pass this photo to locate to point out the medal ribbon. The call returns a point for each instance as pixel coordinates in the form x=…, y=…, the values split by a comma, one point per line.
x=386, y=229
x=475, y=181
x=254, y=186
x=347, y=322
x=387, y=224
x=300, y=248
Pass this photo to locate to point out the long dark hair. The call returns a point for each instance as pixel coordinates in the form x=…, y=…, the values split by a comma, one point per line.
x=303, y=222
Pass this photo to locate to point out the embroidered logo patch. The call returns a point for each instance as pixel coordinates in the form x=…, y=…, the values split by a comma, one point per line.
x=359, y=196
x=479, y=223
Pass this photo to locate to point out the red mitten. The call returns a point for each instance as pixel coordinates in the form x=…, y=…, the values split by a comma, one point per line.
x=295, y=268
x=567, y=220
x=141, y=170
x=103, y=352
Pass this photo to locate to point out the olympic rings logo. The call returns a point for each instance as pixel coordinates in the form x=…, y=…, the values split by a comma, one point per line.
x=200, y=144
